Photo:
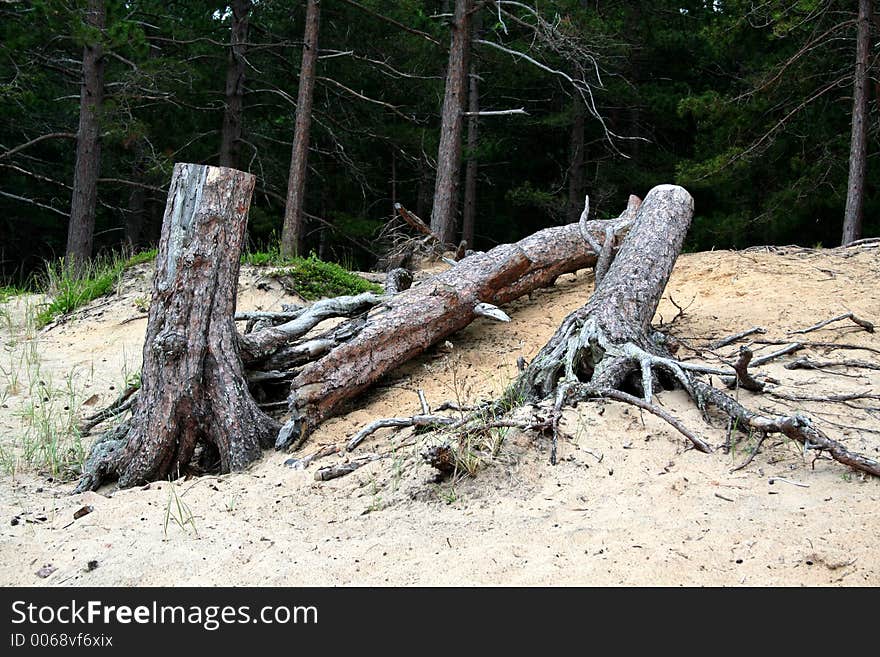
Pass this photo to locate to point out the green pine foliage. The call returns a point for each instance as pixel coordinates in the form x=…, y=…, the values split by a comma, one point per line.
x=746, y=104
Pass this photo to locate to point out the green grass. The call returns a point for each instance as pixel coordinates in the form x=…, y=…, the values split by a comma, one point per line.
x=313, y=278
x=47, y=441
x=68, y=292
x=9, y=291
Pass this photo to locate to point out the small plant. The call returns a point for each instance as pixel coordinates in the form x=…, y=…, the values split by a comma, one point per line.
x=178, y=512
x=142, y=304
x=447, y=494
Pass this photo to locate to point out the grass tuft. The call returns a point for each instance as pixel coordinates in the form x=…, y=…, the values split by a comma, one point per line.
x=68, y=292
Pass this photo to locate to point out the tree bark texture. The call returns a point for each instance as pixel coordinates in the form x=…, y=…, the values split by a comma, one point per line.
x=858, y=151
x=443, y=213
x=193, y=390
x=291, y=233
x=230, y=136
x=81, y=229
x=469, y=207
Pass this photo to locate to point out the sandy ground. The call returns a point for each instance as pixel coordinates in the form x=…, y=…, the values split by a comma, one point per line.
x=628, y=504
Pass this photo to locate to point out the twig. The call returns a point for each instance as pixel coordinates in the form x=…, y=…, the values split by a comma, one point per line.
x=305, y=461
x=825, y=345
x=520, y=110
x=868, y=326
x=852, y=396
x=679, y=308
x=736, y=336
x=272, y=316
x=807, y=364
x=122, y=404
x=426, y=409
x=752, y=455
x=790, y=349
x=414, y=421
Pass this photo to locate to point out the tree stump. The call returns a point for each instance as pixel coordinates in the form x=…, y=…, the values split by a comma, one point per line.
x=610, y=336
x=193, y=390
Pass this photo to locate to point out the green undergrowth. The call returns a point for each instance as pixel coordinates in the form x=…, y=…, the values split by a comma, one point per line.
x=311, y=277
x=67, y=292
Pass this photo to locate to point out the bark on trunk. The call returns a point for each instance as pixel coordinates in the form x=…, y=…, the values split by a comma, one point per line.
x=193, y=390
x=449, y=153
x=230, y=144
x=576, y=191
x=291, y=234
x=858, y=151
x=81, y=229
x=469, y=209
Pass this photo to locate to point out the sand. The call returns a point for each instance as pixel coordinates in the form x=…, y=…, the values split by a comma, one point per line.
x=628, y=504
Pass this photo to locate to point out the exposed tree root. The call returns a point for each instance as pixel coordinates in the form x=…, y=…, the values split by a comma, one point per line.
x=797, y=427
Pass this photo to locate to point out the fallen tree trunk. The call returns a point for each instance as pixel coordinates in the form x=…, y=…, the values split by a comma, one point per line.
x=193, y=390
x=410, y=322
x=598, y=342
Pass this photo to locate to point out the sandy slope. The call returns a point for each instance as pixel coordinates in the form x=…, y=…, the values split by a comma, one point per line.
x=628, y=503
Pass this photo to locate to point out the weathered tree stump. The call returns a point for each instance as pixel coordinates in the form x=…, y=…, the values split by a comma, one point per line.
x=193, y=390
x=603, y=341
x=608, y=348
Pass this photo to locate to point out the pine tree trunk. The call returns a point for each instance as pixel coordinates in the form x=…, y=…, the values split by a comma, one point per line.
x=81, y=229
x=443, y=213
x=230, y=136
x=291, y=234
x=193, y=391
x=470, y=173
x=858, y=152
x=576, y=193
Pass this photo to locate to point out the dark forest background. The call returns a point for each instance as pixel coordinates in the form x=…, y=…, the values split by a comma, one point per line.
x=749, y=105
